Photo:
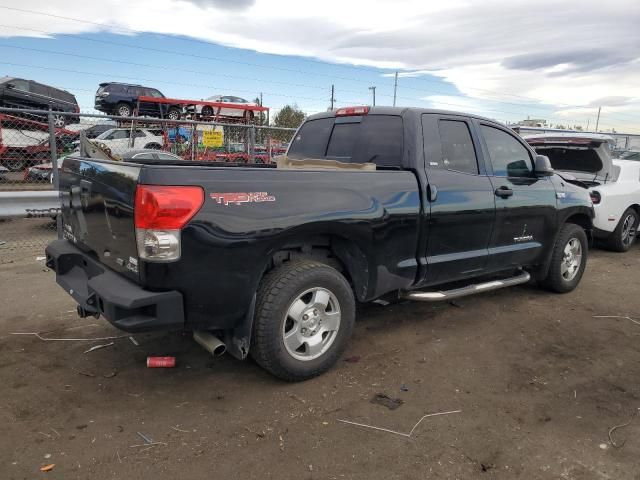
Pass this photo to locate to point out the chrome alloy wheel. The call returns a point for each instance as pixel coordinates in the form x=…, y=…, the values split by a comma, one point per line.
x=311, y=324
x=628, y=229
x=571, y=260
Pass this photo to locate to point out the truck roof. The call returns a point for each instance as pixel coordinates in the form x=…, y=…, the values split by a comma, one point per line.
x=383, y=110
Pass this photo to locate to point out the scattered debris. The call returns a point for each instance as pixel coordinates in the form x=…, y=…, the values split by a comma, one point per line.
x=55, y=431
x=617, y=316
x=98, y=347
x=45, y=434
x=386, y=401
x=296, y=397
x=47, y=468
x=134, y=341
x=161, y=362
x=47, y=456
x=613, y=429
x=399, y=433
x=180, y=430
x=40, y=337
x=111, y=375
x=352, y=359
x=146, y=439
x=456, y=304
x=404, y=388
x=148, y=444
x=86, y=374
x=40, y=258
x=118, y=454
x=379, y=301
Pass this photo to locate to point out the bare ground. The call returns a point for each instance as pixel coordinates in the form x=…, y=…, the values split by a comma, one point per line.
x=539, y=380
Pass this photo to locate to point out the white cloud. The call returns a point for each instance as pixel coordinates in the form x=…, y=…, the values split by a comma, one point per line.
x=559, y=54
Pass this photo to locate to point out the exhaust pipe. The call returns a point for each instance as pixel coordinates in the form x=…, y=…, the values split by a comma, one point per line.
x=210, y=343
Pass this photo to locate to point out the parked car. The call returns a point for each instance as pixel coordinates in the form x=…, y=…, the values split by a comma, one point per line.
x=370, y=203
x=122, y=99
x=3, y=174
x=210, y=111
x=150, y=156
x=614, y=185
x=630, y=155
x=118, y=140
x=43, y=172
x=22, y=93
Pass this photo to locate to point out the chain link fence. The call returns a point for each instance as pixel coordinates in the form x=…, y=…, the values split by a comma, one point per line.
x=34, y=143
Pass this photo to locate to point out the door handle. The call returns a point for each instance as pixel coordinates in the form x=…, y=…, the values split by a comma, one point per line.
x=503, y=192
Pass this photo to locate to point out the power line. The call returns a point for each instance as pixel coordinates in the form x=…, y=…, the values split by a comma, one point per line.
x=219, y=59
x=353, y=67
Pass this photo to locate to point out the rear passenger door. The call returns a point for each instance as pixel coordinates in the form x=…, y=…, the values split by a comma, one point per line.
x=460, y=198
x=525, y=203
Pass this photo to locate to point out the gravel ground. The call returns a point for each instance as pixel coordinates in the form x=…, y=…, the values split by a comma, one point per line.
x=538, y=379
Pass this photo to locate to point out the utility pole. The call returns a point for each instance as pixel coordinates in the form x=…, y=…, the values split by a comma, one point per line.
x=395, y=89
x=373, y=89
x=588, y=120
x=598, y=119
x=333, y=99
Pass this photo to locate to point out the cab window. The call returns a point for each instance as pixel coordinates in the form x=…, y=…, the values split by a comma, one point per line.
x=509, y=157
x=458, y=152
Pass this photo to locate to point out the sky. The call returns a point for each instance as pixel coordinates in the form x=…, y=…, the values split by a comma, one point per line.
x=507, y=60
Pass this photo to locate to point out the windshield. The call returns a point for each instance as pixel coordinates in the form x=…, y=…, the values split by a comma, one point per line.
x=630, y=156
x=104, y=135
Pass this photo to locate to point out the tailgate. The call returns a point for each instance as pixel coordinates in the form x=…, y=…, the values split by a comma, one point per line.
x=97, y=211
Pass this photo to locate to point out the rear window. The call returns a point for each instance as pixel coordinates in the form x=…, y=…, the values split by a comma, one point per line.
x=371, y=138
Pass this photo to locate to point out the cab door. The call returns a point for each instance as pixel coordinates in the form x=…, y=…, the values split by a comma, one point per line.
x=525, y=203
x=460, y=198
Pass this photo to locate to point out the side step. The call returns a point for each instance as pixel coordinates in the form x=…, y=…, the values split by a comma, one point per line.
x=419, y=296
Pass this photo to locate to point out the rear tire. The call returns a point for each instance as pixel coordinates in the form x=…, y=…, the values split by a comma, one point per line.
x=624, y=236
x=207, y=111
x=173, y=114
x=568, y=259
x=305, y=313
x=123, y=110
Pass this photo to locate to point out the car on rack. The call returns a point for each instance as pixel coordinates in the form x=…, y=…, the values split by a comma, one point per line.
x=122, y=99
x=119, y=141
x=221, y=111
x=29, y=94
x=271, y=260
x=614, y=184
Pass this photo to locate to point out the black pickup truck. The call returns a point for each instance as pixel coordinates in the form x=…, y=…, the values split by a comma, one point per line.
x=391, y=203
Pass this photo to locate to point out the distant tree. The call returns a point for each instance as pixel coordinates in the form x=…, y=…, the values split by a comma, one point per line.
x=559, y=126
x=289, y=116
x=578, y=127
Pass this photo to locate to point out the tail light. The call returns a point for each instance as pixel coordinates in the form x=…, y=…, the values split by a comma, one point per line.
x=351, y=111
x=595, y=197
x=160, y=213
x=76, y=109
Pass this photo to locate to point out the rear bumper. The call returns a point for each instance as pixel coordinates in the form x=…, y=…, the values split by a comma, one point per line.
x=99, y=290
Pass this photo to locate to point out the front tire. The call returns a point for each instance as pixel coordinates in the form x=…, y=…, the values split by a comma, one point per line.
x=305, y=313
x=568, y=259
x=624, y=236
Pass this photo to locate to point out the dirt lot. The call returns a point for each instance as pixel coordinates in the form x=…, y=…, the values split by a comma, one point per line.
x=539, y=380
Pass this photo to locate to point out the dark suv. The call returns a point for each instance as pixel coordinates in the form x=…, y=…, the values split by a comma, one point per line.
x=21, y=93
x=122, y=99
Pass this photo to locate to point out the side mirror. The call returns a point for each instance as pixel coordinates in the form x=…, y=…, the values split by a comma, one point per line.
x=543, y=166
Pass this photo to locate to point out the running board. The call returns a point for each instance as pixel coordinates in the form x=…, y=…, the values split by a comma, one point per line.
x=464, y=291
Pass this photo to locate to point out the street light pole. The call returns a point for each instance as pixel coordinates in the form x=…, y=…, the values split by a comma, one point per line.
x=373, y=89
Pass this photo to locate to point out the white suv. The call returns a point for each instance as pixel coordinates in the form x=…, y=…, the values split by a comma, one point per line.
x=118, y=140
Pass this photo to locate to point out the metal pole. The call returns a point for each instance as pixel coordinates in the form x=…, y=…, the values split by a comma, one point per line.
x=373, y=89
x=598, y=119
x=252, y=140
x=395, y=89
x=332, y=96
x=53, y=146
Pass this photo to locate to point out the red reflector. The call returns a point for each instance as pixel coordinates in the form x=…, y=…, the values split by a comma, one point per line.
x=166, y=207
x=347, y=111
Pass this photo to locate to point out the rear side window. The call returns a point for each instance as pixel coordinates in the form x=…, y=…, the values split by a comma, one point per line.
x=458, y=152
x=376, y=138
x=40, y=89
x=509, y=157
x=119, y=134
x=311, y=140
